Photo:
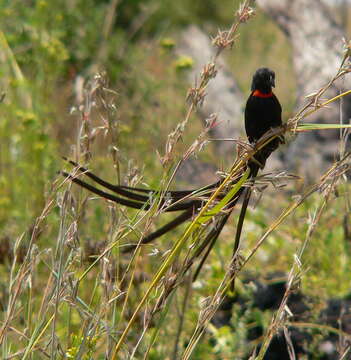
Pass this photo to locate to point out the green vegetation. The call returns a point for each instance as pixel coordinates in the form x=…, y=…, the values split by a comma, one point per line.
x=66, y=291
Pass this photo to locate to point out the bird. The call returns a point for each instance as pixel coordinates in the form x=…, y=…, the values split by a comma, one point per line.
x=262, y=113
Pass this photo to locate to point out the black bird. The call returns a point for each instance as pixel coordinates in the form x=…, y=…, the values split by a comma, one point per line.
x=262, y=112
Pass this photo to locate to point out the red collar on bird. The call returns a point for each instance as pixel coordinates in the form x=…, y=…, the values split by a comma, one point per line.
x=260, y=94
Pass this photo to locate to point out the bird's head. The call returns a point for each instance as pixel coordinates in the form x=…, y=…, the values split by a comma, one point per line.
x=263, y=80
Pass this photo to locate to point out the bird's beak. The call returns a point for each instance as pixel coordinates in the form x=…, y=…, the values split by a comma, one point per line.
x=272, y=81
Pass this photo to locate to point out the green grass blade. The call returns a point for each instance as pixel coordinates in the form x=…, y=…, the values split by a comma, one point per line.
x=309, y=127
x=218, y=207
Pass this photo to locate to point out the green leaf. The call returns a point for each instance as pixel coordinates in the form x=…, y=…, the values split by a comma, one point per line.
x=218, y=207
x=309, y=127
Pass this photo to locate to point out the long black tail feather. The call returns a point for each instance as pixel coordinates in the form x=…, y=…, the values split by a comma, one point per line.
x=184, y=216
x=143, y=205
x=137, y=201
x=132, y=192
x=210, y=241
